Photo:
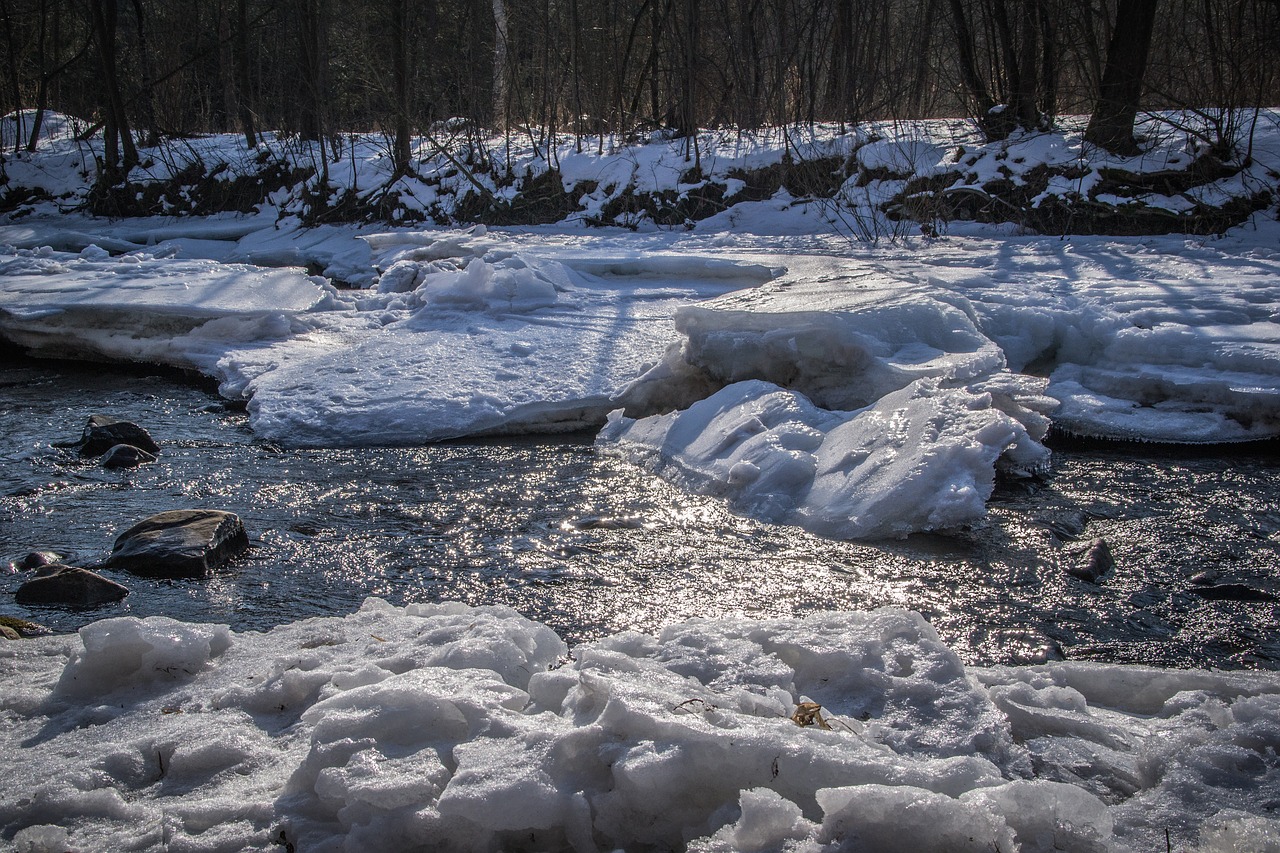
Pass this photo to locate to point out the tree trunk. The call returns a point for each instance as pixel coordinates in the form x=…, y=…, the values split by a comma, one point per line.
x=977, y=90
x=500, y=88
x=117, y=138
x=241, y=58
x=1111, y=125
x=400, y=72
x=312, y=62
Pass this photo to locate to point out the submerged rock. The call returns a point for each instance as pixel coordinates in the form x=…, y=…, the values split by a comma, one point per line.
x=59, y=584
x=1232, y=592
x=35, y=560
x=180, y=543
x=102, y=433
x=126, y=456
x=1091, y=561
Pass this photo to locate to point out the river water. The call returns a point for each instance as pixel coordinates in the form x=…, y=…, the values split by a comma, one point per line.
x=586, y=543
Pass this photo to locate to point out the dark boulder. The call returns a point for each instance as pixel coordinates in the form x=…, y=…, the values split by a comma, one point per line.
x=1090, y=561
x=58, y=584
x=126, y=456
x=102, y=433
x=180, y=543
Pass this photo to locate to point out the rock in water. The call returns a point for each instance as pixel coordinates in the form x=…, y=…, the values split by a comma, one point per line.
x=102, y=433
x=59, y=584
x=1091, y=561
x=126, y=456
x=180, y=543
x=1232, y=592
x=35, y=560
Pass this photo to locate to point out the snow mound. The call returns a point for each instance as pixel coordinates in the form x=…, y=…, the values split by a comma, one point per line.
x=16, y=127
x=447, y=726
x=920, y=458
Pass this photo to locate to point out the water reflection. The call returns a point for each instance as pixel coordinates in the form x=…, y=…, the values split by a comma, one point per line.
x=592, y=546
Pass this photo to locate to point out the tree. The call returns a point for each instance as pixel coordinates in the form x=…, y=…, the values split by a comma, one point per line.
x=1111, y=125
x=116, y=134
x=1020, y=51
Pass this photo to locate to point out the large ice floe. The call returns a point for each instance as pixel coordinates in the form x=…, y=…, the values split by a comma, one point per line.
x=446, y=727
x=855, y=404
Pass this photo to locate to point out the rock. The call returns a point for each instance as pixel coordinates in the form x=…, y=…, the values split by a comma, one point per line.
x=35, y=560
x=1232, y=592
x=102, y=433
x=180, y=543
x=8, y=633
x=22, y=627
x=1091, y=561
x=1065, y=525
x=58, y=584
x=126, y=456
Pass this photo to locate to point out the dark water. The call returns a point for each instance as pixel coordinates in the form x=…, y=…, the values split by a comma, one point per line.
x=591, y=546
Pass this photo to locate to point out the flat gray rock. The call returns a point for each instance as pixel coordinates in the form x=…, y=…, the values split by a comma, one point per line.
x=58, y=584
x=180, y=543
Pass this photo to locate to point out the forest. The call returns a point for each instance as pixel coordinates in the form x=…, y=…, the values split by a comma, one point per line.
x=152, y=69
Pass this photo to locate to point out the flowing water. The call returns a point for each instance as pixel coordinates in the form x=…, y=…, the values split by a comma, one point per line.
x=571, y=537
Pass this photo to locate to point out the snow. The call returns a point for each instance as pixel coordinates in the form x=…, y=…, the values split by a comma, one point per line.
x=972, y=346
x=920, y=458
x=450, y=726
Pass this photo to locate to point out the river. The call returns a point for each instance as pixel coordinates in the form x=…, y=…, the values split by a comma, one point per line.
x=590, y=545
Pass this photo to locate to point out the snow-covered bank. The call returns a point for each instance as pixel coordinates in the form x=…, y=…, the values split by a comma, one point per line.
x=445, y=726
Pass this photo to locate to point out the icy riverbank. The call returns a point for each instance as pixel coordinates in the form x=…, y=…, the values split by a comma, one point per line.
x=929, y=363
x=448, y=726
x=971, y=346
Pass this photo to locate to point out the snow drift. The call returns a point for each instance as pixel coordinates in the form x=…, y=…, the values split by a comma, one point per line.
x=446, y=726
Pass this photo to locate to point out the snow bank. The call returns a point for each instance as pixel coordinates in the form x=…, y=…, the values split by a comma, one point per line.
x=1162, y=339
x=16, y=127
x=468, y=333
x=472, y=728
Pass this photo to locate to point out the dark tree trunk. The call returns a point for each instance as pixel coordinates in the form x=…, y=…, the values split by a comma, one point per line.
x=119, y=152
x=13, y=78
x=400, y=83
x=1111, y=125
x=973, y=84
x=312, y=62
x=241, y=58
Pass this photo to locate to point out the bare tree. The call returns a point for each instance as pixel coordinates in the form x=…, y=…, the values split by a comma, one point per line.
x=1111, y=125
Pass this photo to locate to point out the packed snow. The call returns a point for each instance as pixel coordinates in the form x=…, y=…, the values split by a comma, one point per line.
x=450, y=727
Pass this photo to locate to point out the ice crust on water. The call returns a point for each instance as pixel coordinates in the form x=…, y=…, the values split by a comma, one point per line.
x=448, y=726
